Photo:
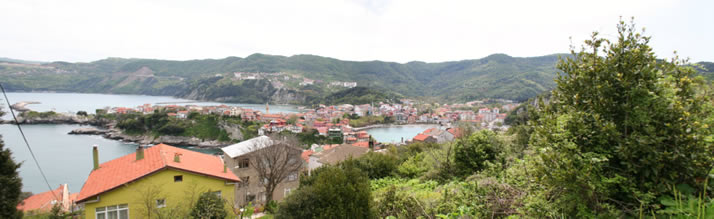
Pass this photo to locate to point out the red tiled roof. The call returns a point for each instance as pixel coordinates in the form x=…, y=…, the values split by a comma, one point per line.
x=455, y=131
x=126, y=169
x=421, y=137
x=41, y=202
x=73, y=197
x=363, y=144
x=306, y=155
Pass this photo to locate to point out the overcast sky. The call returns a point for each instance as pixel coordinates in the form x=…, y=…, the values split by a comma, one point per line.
x=401, y=30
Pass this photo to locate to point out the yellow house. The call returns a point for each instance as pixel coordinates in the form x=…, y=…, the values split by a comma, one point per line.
x=161, y=181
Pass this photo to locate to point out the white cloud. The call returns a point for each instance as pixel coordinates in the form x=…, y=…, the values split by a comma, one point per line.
x=399, y=30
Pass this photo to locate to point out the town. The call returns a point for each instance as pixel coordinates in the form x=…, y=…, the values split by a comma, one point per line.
x=345, y=126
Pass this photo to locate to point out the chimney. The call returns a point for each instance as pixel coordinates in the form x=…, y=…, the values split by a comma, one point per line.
x=225, y=169
x=177, y=157
x=139, y=152
x=95, y=153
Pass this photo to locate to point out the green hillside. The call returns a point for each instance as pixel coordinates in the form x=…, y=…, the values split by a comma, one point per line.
x=495, y=76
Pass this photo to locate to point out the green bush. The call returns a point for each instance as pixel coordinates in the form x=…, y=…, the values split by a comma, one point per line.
x=330, y=192
x=376, y=165
x=471, y=154
x=621, y=127
x=209, y=206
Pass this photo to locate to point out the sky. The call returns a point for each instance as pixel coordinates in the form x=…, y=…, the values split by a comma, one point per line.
x=358, y=30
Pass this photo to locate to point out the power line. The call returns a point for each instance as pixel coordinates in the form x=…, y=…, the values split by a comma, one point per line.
x=27, y=143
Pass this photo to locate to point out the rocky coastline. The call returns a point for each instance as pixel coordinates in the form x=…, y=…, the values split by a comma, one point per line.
x=106, y=129
x=116, y=134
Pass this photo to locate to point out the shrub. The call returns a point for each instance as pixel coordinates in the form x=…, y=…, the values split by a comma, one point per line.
x=209, y=206
x=472, y=153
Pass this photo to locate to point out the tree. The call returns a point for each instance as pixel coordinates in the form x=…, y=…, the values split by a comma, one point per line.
x=620, y=129
x=10, y=184
x=330, y=192
x=276, y=162
x=472, y=153
x=81, y=113
x=209, y=206
x=375, y=165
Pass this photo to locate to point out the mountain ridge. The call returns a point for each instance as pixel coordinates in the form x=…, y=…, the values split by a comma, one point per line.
x=494, y=76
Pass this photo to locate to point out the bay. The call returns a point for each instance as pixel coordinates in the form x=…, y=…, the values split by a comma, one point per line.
x=68, y=158
x=73, y=102
x=395, y=134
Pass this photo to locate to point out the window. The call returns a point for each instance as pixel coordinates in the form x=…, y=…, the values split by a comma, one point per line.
x=160, y=203
x=113, y=212
x=244, y=163
x=292, y=177
x=178, y=178
x=286, y=192
x=264, y=181
x=261, y=197
x=217, y=193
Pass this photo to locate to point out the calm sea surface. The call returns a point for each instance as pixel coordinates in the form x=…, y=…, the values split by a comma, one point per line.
x=394, y=134
x=73, y=102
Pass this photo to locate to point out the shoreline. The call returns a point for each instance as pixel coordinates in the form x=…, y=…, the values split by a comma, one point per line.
x=392, y=125
x=180, y=100
x=118, y=135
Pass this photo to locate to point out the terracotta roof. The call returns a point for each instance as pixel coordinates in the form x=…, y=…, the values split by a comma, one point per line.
x=126, y=169
x=73, y=197
x=41, y=202
x=421, y=137
x=455, y=131
x=340, y=153
x=363, y=144
x=306, y=155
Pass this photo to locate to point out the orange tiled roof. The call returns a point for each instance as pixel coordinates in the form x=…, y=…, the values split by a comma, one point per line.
x=455, y=131
x=41, y=202
x=421, y=137
x=363, y=144
x=126, y=169
x=306, y=155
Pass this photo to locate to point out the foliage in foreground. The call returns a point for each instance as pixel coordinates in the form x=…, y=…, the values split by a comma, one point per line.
x=623, y=135
x=209, y=206
x=10, y=184
x=621, y=128
x=330, y=192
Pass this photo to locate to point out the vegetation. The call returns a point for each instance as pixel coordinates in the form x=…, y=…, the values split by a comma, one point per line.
x=10, y=184
x=209, y=206
x=330, y=192
x=34, y=114
x=203, y=126
x=622, y=135
x=356, y=96
x=495, y=76
x=370, y=120
x=620, y=129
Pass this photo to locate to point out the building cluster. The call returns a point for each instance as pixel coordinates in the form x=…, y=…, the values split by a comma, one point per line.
x=347, y=84
x=436, y=135
x=121, y=188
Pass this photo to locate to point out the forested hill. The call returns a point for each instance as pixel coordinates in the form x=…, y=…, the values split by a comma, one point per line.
x=494, y=76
